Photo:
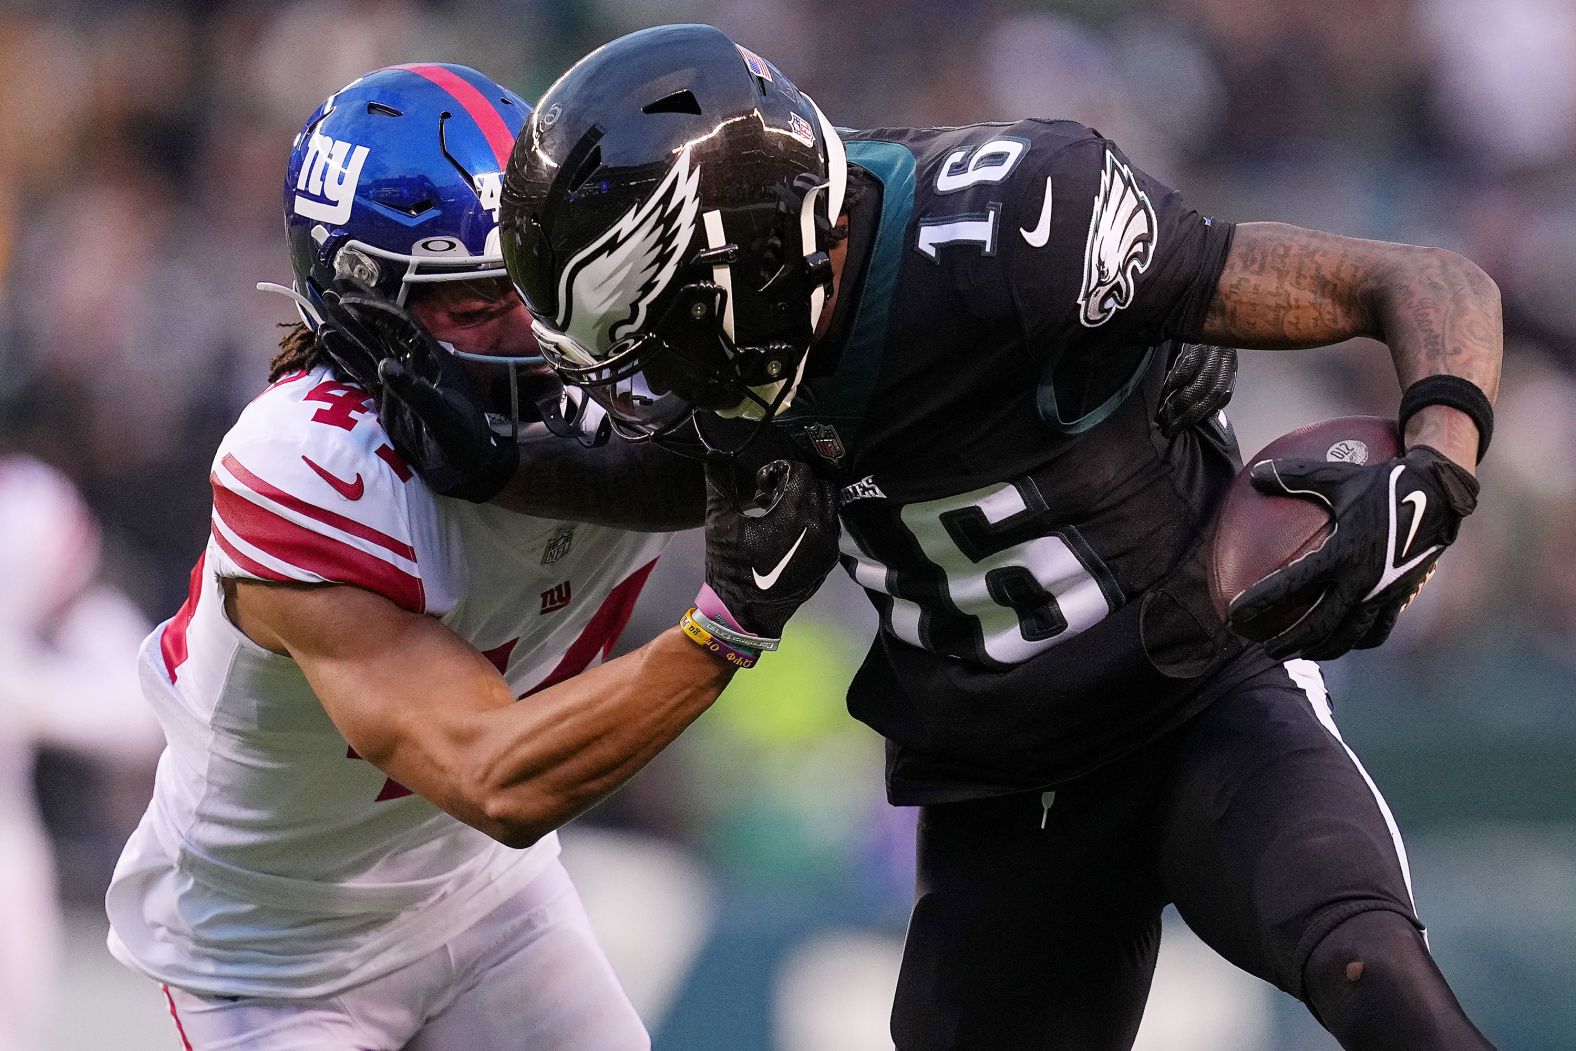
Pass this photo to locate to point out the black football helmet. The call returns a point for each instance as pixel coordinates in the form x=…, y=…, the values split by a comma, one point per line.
x=666, y=214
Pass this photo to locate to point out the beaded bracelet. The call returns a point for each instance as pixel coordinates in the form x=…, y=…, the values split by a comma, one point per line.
x=737, y=656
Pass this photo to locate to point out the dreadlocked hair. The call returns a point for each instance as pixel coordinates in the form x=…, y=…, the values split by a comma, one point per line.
x=298, y=351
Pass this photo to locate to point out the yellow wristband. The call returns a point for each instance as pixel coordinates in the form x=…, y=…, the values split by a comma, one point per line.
x=736, y=656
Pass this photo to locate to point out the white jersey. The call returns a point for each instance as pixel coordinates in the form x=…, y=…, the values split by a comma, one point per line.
x=272, y=861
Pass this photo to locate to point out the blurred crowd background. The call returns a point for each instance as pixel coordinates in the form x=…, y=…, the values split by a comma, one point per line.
x=753, y=885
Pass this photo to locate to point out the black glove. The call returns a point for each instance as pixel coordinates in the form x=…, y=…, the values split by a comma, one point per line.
x=1198, y=384
x=1392, y=521
x=764, y=559
x=347, y=336
x=426, y=403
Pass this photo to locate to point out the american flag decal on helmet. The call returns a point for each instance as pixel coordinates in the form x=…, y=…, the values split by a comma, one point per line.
x=756, y=63
x=800, y=129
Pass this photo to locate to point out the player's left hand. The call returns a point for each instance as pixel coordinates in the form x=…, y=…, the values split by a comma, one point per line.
x=766, y=556
x=1392, y=521
x=426, y=403
x=1199, y=383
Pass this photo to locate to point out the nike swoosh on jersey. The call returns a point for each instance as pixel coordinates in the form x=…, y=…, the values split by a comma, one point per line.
x=1419, y=502
x=765, y=582
x=351, y=490
x=1042, y=230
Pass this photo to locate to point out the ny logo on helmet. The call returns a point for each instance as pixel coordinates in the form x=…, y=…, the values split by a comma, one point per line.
x=331, y=171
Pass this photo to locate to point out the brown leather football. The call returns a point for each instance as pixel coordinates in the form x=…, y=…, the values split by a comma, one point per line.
x=1257, y=533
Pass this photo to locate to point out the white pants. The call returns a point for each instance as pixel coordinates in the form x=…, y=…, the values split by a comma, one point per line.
x=527, y=977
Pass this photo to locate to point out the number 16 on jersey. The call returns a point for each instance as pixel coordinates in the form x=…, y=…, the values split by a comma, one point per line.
x=982, y=576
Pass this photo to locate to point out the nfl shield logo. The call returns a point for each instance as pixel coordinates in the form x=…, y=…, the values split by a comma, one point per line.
x=824, y=440
x=558, y=546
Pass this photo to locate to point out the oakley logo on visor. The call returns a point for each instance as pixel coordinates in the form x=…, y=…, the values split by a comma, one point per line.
x=331, y=171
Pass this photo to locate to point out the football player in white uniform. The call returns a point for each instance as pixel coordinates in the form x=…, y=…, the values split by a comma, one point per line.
x=351, y=840
x=65, y=683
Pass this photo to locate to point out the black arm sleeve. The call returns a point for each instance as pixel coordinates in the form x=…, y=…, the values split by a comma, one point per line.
x=644, y=488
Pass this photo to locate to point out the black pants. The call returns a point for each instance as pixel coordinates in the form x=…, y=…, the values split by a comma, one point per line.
x=1037, y=921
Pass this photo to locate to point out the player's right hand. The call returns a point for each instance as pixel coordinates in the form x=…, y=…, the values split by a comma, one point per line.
x=766, y=556
x=1392, y=521
x=426, y=403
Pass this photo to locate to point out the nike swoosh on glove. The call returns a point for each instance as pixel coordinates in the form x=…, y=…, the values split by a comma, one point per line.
x=1199, y=383
x=426, y=403
x=765, y=558
x=1391, y=522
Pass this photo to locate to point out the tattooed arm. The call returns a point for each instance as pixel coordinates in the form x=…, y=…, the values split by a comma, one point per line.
x=1285, y=287
x=640, y=487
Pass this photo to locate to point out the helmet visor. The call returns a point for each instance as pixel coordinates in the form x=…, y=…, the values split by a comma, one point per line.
x=440, y=260
x=650, y=384
x=637, y=412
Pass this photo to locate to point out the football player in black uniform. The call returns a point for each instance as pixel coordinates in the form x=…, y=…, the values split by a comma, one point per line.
x=968, y=329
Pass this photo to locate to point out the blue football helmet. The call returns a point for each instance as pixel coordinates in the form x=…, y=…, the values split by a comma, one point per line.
x=395, y=181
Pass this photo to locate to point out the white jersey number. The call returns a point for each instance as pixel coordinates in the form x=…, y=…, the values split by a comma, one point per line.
x=967, y=166
x=1003, y=587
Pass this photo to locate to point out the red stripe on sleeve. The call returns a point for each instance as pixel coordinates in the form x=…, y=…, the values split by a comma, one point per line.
x=476, y=104
x=242, y=559
x=333, y=560
x=172, y=643
x=300, y=506
x=605, y=626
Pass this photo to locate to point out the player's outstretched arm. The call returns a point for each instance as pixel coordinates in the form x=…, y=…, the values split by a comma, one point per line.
x=1286, y=287
x=641, y=487
x=424, y=706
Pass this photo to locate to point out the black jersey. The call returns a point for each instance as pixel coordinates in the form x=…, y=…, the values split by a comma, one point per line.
x=1031, y=541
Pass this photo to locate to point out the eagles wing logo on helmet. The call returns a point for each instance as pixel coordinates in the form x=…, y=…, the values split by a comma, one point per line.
x=1120, y=246
x=608, y=286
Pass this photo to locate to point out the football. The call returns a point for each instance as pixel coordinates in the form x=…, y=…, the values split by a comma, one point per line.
x=1257, y=533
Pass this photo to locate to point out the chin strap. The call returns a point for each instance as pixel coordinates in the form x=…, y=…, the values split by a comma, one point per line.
x=774, y=398
x=573, y=414
x=778, y=395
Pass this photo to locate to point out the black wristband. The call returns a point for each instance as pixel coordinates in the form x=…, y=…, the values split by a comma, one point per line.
x=1457, y=393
